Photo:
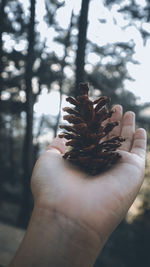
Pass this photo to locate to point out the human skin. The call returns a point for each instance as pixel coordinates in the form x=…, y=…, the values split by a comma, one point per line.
x=74, y=214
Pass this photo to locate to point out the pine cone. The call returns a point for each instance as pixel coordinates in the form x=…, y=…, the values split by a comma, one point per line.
x=85, y=134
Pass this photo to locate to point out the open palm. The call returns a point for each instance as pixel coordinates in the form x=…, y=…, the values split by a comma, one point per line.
x=99, y=202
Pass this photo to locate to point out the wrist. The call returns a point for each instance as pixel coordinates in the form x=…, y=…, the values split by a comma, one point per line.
x=71, y=243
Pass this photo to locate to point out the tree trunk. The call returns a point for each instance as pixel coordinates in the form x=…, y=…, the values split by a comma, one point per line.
x=2, y=14
x=28, y=155
x=80, y=57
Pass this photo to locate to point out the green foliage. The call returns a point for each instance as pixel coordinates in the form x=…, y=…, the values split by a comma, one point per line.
x=134, y=11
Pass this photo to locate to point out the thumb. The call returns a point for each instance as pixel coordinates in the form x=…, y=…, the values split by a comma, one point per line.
x=58, y=145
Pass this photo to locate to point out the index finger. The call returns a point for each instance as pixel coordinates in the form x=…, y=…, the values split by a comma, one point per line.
x=58, y=145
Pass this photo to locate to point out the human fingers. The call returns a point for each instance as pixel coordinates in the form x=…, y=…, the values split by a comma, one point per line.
x=128, y=130
x=117, y=116
x=58, y=145
x=139, y=143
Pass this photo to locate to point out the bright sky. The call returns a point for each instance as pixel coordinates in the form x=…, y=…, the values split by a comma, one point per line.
x=100, y=34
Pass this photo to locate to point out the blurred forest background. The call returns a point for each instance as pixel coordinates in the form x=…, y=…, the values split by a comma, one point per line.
x=32, y=66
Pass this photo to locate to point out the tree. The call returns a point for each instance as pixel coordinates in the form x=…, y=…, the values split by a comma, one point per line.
x=134, y=11
x=2, y=6
x=81, y=46
x=28, y=142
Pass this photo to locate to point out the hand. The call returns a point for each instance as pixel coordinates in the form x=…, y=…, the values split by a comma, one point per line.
x=74, y=214
x=99, y=202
